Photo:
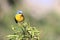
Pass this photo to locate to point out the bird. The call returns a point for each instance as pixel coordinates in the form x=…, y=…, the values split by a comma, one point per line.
x=19, y=17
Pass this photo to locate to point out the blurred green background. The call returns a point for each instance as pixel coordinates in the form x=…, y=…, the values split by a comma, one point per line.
x=42, y=14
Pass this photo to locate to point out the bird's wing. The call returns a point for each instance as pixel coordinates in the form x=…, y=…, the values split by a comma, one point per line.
x=15, y=20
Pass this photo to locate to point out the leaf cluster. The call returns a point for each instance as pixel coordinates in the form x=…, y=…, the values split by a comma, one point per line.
x=24, y=32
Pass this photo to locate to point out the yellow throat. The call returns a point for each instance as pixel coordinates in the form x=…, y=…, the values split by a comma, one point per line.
x=19, y=17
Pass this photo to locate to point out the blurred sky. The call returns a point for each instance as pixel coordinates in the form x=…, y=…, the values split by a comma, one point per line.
x=41, y=7
x=37, y=8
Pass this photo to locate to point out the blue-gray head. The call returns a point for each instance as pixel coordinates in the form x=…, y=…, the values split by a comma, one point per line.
x=19, y=12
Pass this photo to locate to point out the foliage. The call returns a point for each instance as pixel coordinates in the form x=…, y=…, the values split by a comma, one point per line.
x=24, y=32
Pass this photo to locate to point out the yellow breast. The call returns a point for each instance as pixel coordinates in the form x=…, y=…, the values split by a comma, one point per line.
x=19, y=17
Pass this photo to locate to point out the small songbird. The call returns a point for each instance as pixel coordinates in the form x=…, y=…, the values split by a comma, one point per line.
x=19, y=17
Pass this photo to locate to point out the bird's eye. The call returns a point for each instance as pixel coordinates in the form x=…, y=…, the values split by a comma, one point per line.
x=19, y=12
